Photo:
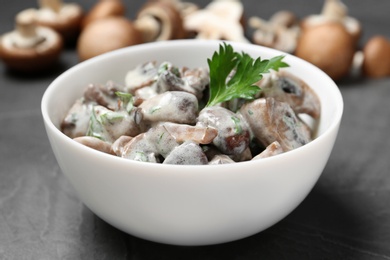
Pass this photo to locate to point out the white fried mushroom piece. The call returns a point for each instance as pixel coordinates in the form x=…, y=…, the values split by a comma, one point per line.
x=76, y=121
x=271, y=150
x=172, y=106
x=167, y=127
x=271, y=120
x=188, y=153
x=103, y=94
x=221, y=159
x=233, y=133
x=166, y=141
x=285, y=87
x=219, y=20
x=95, y=143
x=148, y=80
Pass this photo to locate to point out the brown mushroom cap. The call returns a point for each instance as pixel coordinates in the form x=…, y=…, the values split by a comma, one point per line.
x=335, y=11
x=64, y=18
x=328, y=46
x=376, y=54
x=107, y=34
x=160, y=20
x=104, y=8
x=30, y=48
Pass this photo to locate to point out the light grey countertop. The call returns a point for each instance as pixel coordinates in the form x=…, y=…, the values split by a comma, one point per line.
x=346, y=216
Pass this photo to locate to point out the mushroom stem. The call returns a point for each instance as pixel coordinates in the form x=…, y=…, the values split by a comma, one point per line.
x=25, y=23
x=54, y=5
x=26, y=35
x=334, y=9
x=148, y=26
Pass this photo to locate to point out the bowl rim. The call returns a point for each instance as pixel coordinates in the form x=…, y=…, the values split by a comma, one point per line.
x=48, y=93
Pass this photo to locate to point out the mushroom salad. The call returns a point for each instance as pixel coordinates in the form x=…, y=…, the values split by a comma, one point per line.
x=224, y=114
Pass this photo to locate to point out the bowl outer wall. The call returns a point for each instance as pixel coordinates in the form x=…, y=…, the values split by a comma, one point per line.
x=187, y=205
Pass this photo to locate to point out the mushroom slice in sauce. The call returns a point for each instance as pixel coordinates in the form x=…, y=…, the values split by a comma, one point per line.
x=273, y=149
x=188, y=153
x=76, y=121
x=233, y=134
x=271, y=120
x=141, y=76
x=95, y=143
x=198, y=79
x=193, y=81
x=119, y=145
x=197, y=134
x=172, y=106
x=221, y=159
x=109, y=125
x=285, y=87
x=103, y=95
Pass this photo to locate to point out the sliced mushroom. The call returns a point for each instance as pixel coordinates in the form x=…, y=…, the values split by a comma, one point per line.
x=119, y=145
x=141, y=76
x=76, y=121
x=197, y=134
x=95, y=143
x=188, y=153
x=172, y=106
x=103, y=94
x=30, y=48
x=233, y=134
x=159, y=21
x=271, y=150
x=192, y=81
x=65, y=18
x=285, y=87
x=221, y=159
x=106, y=34
x=109, y=125
x=219, y=20
x=103, y=9
x=159, y=142
x=271, y=120
x=280, y=32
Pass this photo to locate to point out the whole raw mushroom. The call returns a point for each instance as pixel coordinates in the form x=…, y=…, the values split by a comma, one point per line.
x=376, y=57
x=329, y=47
x=30, y=48
x=329, y=40
x=103, y=9
x=107, y=34
x=65, y=18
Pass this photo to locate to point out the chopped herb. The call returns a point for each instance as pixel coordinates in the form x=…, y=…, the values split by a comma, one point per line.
x=237, y=125
x=154, y=109
x=95, y=128
x=126, y=100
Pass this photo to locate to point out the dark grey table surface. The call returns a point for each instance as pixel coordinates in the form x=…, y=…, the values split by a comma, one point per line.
x=346, y=216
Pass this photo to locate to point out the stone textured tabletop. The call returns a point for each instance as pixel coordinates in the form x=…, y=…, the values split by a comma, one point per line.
x=346, y=216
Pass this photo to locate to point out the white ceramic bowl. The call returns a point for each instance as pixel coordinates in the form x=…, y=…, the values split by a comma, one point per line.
x=187, y=205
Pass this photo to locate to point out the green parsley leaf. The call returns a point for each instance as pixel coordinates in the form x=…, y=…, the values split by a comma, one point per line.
x=245, y=70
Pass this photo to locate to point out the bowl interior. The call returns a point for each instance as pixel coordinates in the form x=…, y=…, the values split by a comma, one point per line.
x=190, y=53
